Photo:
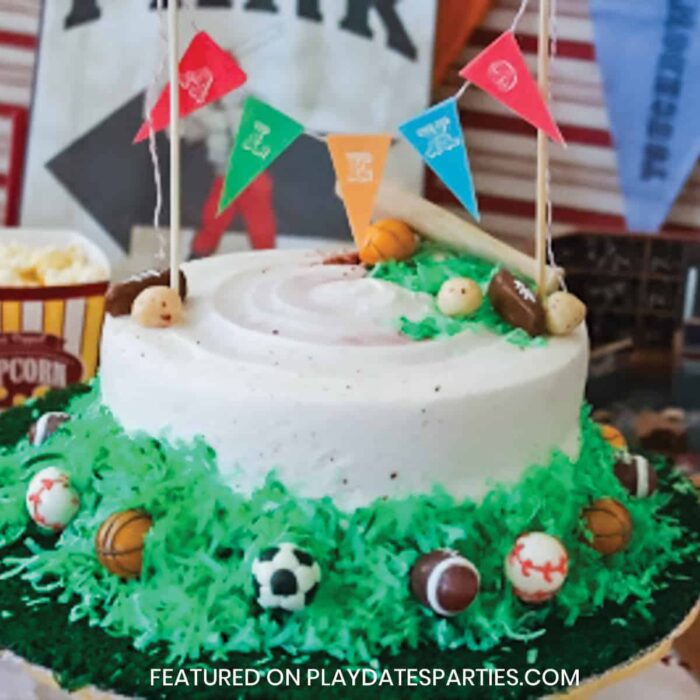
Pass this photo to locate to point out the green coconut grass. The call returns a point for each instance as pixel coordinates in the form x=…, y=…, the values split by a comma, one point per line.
x=426, y=271
x=194, y=603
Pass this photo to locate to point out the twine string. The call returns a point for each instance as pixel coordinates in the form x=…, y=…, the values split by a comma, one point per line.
x=553, y=48
x=152, y=95
x=151, y=99
x=519, y=15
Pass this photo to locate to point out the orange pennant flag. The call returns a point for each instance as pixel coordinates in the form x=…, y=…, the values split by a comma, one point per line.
x=359, y=162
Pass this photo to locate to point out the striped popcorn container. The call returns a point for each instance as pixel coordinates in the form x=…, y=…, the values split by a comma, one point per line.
x=50, y=335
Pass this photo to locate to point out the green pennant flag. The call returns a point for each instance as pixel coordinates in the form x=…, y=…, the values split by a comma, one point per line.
x=264, y=134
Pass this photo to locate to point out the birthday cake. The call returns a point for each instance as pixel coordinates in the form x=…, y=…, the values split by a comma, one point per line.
x=308, y=355
x=301, y=462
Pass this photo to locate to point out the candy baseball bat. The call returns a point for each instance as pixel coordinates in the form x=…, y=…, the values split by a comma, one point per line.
x=439, y=225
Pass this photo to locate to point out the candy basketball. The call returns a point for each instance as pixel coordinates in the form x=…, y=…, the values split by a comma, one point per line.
x=610, y=524
x=388, y=239
x=51, y=501
x=613, y=437
x=120, y=542
x=537, y=566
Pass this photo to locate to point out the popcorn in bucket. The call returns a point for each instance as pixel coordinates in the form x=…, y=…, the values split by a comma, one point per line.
x=52, y=298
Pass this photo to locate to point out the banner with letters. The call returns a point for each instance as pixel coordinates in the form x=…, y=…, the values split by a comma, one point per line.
x=649, y=53
x=332, y=66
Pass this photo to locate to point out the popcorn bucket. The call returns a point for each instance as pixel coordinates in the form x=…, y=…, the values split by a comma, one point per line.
x=49, y=335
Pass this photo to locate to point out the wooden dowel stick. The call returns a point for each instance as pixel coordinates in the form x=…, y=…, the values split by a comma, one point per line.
x=439, y=225
x=173, y=67
x=541, y=226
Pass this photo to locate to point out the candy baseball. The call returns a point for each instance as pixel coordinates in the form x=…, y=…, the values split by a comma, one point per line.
x=536, y=567
x=564, y=313
x=51, y=501
x=459, y=296
x=157, y=307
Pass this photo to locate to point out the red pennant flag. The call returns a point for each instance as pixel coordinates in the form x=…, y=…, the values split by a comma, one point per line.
x=500, y=70
x=207, y=73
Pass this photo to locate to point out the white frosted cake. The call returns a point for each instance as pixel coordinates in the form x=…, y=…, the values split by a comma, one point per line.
x=290, y=364
x=290, y=460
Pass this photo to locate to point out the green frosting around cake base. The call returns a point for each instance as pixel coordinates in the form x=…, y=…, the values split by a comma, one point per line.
x=426, y=271
x=194, y=602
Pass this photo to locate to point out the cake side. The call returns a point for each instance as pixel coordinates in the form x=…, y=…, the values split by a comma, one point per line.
x=288, y=364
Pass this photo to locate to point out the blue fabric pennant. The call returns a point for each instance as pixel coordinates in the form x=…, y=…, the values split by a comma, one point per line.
x=649, y=53
x=437, y=135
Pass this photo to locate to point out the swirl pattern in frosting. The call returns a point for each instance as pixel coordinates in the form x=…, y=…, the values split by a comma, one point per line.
x=318, y=304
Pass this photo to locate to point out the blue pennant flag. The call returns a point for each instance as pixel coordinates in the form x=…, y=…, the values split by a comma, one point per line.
x=649, y=53
x=437, y=135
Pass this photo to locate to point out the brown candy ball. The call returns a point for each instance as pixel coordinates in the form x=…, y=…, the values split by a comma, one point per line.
x=120, y=541
x=636, y=474
x=610, y=524
x=445, y=582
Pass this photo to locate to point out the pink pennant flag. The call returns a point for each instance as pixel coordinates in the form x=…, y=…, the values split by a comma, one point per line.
x=500, y=70
x=207, y=73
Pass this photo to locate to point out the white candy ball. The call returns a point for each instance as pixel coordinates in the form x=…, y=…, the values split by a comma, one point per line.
x=564, y=313
x=459, y=296
x=157, y=307
x=537, y=567
x=51, y=501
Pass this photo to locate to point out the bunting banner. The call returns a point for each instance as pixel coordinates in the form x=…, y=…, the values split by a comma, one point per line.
x=501, y=71
x=438, y=137
x=265, y=133
x=207, y=73
x=650, y=60
x=359, y=162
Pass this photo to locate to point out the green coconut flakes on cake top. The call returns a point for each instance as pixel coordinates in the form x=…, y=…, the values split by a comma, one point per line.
x=426, y=271
x=196, y=596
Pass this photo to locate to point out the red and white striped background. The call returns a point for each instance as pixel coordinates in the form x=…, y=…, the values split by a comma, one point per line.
x=585, y=188
x=502, y=147
x=19, y=27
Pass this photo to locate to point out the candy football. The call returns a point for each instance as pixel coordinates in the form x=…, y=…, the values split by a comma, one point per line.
x=51, y=500
x=285, y=577
x=536, y=567
x=445, y=582
x=46, y=426
x=636, y=474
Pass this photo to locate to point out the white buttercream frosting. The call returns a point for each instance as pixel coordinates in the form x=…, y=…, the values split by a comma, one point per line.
x=289, y=364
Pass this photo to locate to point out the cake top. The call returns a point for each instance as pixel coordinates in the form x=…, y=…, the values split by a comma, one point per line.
x=285, y=320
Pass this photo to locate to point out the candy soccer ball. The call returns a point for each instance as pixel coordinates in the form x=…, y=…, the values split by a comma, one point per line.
x=51, y=501
x=285, y=577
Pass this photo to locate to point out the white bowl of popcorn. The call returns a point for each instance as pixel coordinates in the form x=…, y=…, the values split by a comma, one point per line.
x=52, y=290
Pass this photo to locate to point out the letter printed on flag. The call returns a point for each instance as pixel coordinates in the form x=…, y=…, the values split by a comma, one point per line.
x=649, y=55
x=359, y=162
x=207, y=73
x=501, y=71
x=265, y=133
x=437, y=135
